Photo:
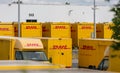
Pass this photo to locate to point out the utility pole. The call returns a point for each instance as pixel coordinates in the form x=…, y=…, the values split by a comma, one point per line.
x=19, y=18
x=94, y=13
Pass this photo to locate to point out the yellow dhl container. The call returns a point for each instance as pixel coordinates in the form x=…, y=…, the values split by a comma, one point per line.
x=114, y=60
x=58, y=50
x=29, y=29
x=15, y=24
x=103, y=30
x=56, y=29
x=81, y=30
x=6, y=29
x=93, y=53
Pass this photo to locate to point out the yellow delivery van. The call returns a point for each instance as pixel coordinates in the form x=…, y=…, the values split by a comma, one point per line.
x=25, y=49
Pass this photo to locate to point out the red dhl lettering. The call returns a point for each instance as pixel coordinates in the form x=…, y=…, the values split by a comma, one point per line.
x=31, y=27
x=15, y=29
x=86, y=27
x=60, y=47
x=44, y=29
x=73, y=30
x=4, y=29
x=86, y=47
x=60, y=27
x=32, y=44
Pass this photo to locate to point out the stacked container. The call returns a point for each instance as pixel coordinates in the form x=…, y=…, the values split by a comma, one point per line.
x=6, y=29
x=29, y=29
x=56, y=29
x=103, y=30
x=81, y=30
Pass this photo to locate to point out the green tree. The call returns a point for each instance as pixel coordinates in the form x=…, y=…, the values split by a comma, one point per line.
x=116, y=27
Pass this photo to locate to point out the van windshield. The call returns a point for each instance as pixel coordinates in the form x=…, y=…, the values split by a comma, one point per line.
x=30, y=55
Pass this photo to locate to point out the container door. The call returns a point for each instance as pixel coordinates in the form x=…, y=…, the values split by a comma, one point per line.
x=55, y=57
x=63, y=57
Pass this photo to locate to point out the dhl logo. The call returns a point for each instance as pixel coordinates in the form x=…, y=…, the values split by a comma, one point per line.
x=73, y=30
x=44, y=29
x=98, y=31
x=86, y=47
x=15, y=29
x=4, y=29
x=31, y=27
x=86, y=27
x=32, y=45
x=60, y=27
x=60, y=47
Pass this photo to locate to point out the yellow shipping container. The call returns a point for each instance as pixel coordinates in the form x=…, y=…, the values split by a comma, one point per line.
x=114, y=60
x=28, y=29
x=56, y=29
x=93, y=53
x=58, y=50
x=6, y=29
x=81, y=30
x=103, y=30
x=31, y=29
x=15, y=28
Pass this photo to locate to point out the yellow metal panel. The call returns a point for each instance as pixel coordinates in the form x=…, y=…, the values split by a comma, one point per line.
x=46, y=29
x=81, y=30
x=114, y=60
x=7, y=49
x=15, y=24
x=59, y=50
x=103, y=30
x=60, y=31
x=99, y=30
x=45, y=41
x=31, y=29
x=12, y=49
x=56, y=30
x=107, y=31
x=6, y=30
x=92, y=51
x=74, y=34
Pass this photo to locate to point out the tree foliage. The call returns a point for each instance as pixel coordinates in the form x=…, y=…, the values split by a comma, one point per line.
x=116, y=27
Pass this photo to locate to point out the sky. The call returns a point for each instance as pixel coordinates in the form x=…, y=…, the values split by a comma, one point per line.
x=72, y=2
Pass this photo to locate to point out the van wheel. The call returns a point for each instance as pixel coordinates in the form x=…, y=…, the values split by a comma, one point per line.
x=92, y=67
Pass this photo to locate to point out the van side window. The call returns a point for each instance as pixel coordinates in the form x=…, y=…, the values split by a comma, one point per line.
x=18, y=55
